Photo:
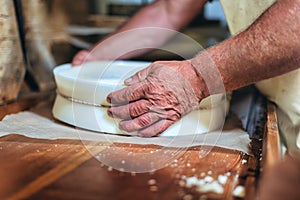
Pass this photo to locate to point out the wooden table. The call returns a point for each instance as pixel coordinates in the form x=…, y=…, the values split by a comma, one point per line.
x=67, y=169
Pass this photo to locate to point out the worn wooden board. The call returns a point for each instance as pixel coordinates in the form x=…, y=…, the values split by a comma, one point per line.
x=271, y=153
x=63, y=169
x=66, y=169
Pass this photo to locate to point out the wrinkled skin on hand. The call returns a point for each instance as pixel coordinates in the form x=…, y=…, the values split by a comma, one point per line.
x=157, y=96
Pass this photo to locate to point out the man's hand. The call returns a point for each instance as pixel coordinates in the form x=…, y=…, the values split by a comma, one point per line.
x=83, y=56
x=157, y=96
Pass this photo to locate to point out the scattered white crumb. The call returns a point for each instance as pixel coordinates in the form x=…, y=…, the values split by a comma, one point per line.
x=222, y=179
x=205, y=185
x=153, y=188
x=239, y=191
x=211, y=187
x=109, y=169
x=244, y=161
x=208, y=179
x=201, y=182
x=191, y=181
x=228, y=174
x=182, y=183
x=151, y=182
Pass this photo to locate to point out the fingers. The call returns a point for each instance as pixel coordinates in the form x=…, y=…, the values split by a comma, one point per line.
x=157, y=97
x=130, y=93
x=142, y=116
x=139, y=122
x=131, y=110
x=148, y=125
x=138, y=77
x=156, y=128
x=80, y=57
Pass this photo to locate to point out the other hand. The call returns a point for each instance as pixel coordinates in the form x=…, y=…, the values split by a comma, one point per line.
x=83, y=56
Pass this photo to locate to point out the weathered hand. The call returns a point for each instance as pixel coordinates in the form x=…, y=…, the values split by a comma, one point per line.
x=157, y=96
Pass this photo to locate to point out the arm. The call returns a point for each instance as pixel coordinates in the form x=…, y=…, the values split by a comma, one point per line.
x=161, y=94
x=167, y=14
x=269, y=47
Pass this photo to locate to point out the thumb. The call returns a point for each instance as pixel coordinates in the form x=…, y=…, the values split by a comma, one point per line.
x=138, y=77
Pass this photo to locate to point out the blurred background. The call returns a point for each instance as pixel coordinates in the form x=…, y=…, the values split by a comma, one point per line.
x=46, y=33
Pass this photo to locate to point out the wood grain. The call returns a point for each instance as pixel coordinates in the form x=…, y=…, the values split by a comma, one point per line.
x=70, y=169
x=271, y=142
x=63, y=169
x=71, y=163
x=102, y=182
x=25, y=102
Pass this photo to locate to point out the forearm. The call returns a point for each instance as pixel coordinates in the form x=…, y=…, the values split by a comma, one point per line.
x=162, y=14
x=269, y=47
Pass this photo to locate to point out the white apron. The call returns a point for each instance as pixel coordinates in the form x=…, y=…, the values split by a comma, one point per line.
x=284, y=90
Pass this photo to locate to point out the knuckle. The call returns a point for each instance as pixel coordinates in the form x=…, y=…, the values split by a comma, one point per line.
x=174, y=116
x=144, y=120
x=137, y=92
x=126, y=94
x=134, y=111
x=123, y=126
x=139, y=108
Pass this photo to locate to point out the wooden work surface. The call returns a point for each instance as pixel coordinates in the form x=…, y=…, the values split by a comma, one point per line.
x=67, y=169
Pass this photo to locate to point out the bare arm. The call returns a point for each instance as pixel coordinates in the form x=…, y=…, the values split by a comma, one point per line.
x=167, y=14
x=269, y=47
x=165, y=91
